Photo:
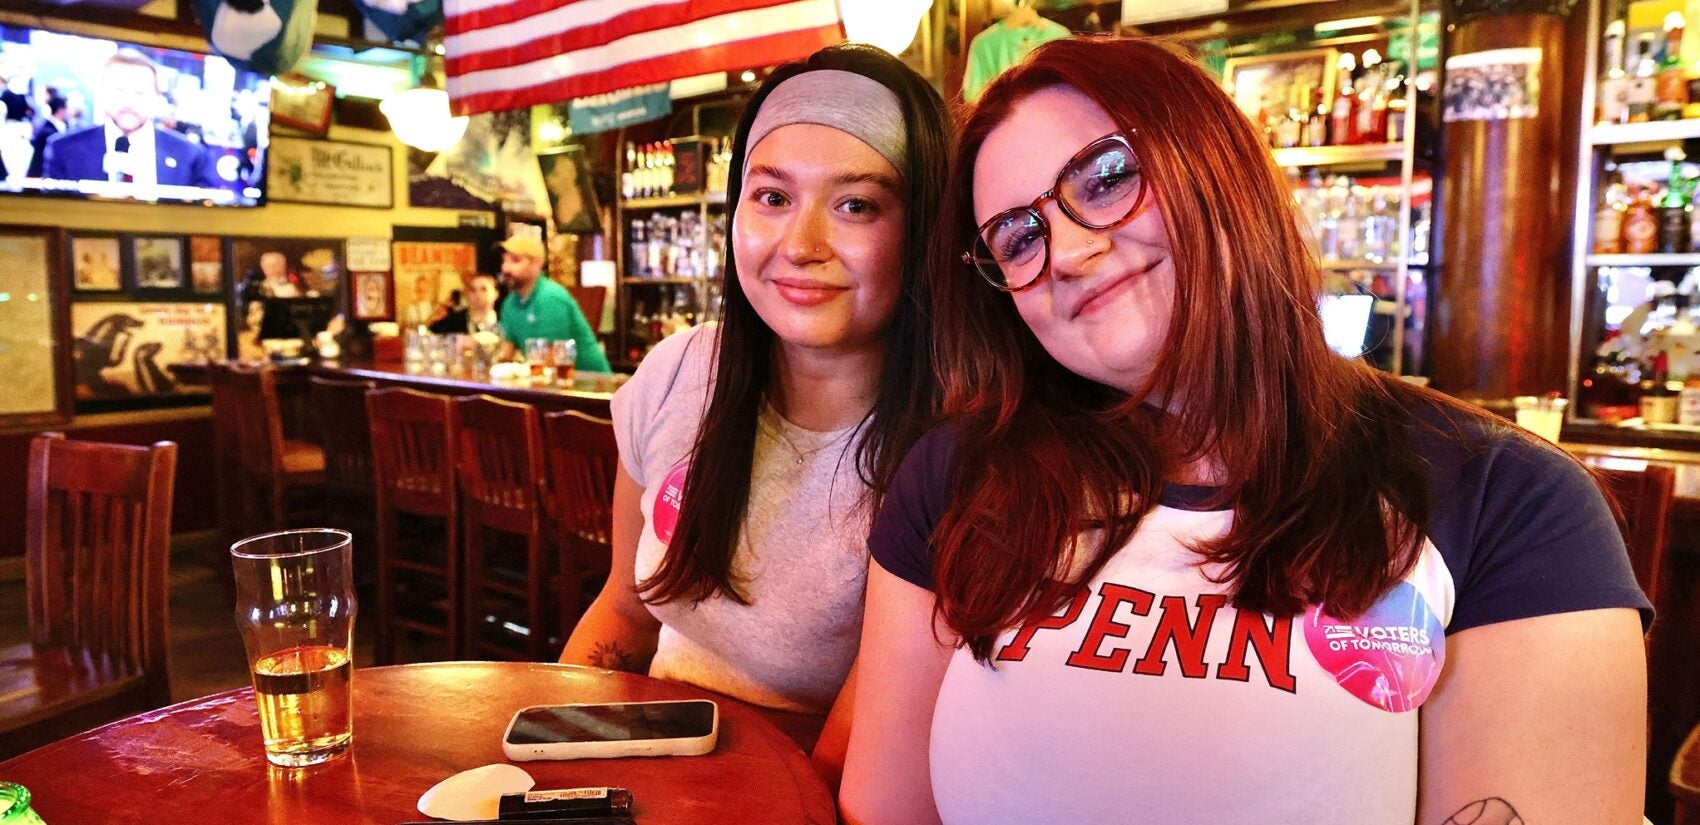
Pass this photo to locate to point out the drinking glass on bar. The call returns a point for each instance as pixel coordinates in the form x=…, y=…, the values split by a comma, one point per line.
x=295, y=608
x=540, y=354
x=565, y=355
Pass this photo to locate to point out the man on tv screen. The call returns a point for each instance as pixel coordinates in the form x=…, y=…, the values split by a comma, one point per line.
x=128, y=147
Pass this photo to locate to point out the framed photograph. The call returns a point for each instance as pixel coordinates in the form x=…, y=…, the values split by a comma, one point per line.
x=97, y=263
x=34, y=334
x=1266, y=82
x=303, y=103
x=124, y=350
x=1498, y=84
x=286, y=267
x=373, y=293
x=331, y=172
x=206, y=265
x=572, y=196
x=158, y=261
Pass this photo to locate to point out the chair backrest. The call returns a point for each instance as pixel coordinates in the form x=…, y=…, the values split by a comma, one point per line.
x=590, y=299
x=501, y=460
x=259, y=422
x=97, y=542
x=1643, y=499
x=413, y=450
x=340, y=407
x=581, y=459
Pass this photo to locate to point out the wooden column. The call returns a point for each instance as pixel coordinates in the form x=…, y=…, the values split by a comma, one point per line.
x=1500, y=320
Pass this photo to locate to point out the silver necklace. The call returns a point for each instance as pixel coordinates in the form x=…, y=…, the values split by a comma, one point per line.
x=778, y=429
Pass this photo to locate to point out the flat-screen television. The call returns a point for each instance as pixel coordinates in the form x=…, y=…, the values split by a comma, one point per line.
x=95, y=118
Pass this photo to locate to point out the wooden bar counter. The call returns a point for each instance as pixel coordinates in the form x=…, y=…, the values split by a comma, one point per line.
x=589, y=394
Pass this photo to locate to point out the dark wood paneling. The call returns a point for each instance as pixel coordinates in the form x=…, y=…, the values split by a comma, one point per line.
x=192, y=430
x=1500, y=323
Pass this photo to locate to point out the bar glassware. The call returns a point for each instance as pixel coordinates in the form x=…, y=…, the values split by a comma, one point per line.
x=295, y=609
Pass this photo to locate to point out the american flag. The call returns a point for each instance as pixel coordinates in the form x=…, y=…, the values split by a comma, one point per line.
x=505, y=54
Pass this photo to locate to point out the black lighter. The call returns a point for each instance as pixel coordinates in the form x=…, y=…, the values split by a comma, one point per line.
x=565, y=803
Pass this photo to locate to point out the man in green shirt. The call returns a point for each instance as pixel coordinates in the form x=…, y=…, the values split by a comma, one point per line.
x=537, y=307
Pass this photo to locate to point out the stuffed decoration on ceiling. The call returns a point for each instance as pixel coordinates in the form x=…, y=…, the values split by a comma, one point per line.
x=265, y=36
x=403, y=19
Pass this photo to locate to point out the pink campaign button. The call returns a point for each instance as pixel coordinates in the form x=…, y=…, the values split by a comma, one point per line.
x=1390, y=657
x=665, y=516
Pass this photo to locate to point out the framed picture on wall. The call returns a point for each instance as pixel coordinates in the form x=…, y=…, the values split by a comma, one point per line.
x=303, y=103
x=158, y=261
x=97, y=263
x=331, y=172
x=35, y=336
x=124, y=351
x=373, y=295
x=1266, y=82
x=572, y=195
x=206, y=265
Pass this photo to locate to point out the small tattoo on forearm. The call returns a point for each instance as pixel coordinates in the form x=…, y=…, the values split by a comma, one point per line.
x=1490, y=811
x=610, y=656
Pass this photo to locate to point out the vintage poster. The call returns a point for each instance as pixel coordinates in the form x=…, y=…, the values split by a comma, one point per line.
x=324, y=171
x=96, y=263
x=368, y=254
x=26, y=326
x=491, y=168
x=371, y=296
x=1499, y=84
x=429, y=277
x=122, y=350
x=572, y=191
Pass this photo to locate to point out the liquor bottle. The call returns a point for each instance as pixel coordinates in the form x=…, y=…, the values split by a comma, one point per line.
x=1290, y=124
x=1608, y=221
x=1671, y=84
x=1613, y=88
x=628, y=178
x=1371, y=111
x=1342, y=115
x=1316, y=120
x=1674, y=207
x=1643, y=88
x=1397, y=106
x=1640, y=228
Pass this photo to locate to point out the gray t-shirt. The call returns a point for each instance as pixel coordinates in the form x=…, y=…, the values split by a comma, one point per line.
x=802, y=556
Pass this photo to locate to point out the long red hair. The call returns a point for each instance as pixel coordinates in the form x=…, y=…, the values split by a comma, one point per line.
x=1326, y=492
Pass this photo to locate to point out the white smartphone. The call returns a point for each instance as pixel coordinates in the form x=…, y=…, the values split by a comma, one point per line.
x=603, y=731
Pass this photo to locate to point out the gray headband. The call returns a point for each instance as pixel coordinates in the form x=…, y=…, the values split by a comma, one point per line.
x=851, y=103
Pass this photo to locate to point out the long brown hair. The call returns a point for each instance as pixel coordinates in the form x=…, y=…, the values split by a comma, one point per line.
x=1325, y=490
x=698, y=562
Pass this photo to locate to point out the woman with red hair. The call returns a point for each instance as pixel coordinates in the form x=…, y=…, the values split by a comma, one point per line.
x=1174, y=561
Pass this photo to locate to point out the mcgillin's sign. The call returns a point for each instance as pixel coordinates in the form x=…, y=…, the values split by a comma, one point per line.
x=329, y=171
x=602, y=113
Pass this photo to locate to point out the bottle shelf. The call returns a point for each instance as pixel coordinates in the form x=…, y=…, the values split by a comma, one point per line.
x=1339, y=155
x=663, y=281
x=674, y=201
x=1656, y=259
x=1660, y=131
x=1387, y=264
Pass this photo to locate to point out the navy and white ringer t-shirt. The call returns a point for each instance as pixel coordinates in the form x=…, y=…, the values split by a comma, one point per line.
x=1149, y=698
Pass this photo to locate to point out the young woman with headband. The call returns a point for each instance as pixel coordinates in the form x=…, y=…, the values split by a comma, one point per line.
x=752, y=451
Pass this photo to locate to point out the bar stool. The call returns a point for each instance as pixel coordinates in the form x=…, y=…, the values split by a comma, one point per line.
x=501, y=461
x=271, y=466
x=413, y=465
x=581, y=457
x=339, y=410
x=227, y=467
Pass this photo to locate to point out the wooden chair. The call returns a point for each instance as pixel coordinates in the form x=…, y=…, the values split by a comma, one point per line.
x=97, y=546
x=413, y=464
x=273, y=468
x=345, y=437
x=581, y=458
x=1643, y=499
x=501, y=462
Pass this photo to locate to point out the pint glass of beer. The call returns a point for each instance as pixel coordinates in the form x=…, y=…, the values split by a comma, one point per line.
x=295, y=608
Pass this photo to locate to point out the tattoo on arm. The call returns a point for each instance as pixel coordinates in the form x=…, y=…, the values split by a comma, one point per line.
x=1490, y=811
x=610, y=656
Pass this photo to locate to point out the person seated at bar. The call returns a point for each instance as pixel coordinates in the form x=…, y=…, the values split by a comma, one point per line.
x=537, y=307
x=752, y=450
x=479, y=314
x=1172, y=560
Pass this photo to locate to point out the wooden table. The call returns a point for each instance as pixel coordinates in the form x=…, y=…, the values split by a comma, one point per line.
x=201, y=761
x=1685, y=781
